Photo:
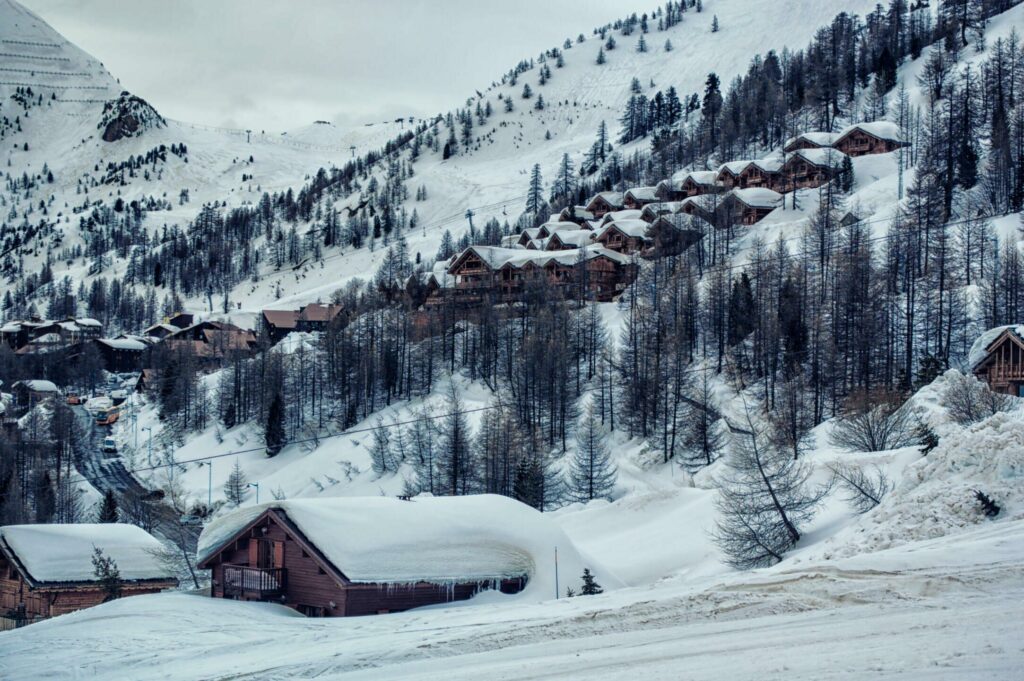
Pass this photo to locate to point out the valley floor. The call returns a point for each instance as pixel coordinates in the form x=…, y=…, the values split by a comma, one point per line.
x=949, y=608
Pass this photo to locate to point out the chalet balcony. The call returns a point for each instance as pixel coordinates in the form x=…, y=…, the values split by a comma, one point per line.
x=245, y=581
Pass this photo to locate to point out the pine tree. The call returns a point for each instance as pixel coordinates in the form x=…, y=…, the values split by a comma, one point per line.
x=564, y=186
x=641, y=45
x=714, y=24
x=381, y=457
x=668, y=46
x=590, y=586
x=527, y=92
x=535, y=193
x=108, y=508
x=600, y=56
x=988, y=506
x=591, y=473
x=236, y=488
x=456, y=465
x=274, y=433
x=104, y=568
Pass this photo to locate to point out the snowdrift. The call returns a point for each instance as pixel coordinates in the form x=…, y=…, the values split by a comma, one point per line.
x=437, y=539
x=935, y=495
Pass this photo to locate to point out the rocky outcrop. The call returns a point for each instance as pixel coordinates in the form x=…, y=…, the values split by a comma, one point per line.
x=128, y=116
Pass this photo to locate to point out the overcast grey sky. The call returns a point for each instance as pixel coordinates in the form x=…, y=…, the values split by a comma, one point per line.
x=279, y=64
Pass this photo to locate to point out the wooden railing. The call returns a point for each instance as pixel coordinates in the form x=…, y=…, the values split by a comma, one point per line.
x=242, y=580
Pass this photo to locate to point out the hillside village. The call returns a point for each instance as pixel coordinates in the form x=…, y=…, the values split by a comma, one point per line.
x=747, y=366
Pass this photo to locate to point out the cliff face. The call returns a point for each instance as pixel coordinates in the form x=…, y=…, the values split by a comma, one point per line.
x=128, y=116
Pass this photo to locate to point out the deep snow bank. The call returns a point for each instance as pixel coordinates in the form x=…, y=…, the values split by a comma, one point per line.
x=935, y=495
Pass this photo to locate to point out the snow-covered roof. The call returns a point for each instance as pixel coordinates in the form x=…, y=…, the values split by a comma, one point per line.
x=653, y=210
x=758, y=197
x=822, y=139
x=701, y=176
x=556, y=226
x=734, y=167
x=627, y=214
x=979, y=349
x=63, y=553
x=632, y=228
x=676, y=220
x=39, y=386
x=123, y=343
x=611, y=198
x=575, y=237
x=827, y=157
x=883, y=130
x=772, y=164
x=643, y=193
x=88, y=321
x=10, y=327
x=435, y=539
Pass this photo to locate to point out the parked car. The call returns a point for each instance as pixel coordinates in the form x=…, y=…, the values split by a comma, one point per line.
x=109, y=444
x=73, y=397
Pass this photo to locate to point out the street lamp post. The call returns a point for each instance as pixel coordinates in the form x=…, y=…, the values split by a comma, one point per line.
x=209, y=484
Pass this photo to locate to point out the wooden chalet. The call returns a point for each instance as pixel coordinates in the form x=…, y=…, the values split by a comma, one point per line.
x=490, y=275
x=653, y=211
x=729, y=174
x=568, y=240
x=604, y=202
x=358, y=556
x=624, y=236
x=31, y=392
x=700, y=182
x=808, y=168
x=638, y=197
x=810, y=140
x=577, y=214
x=313, y=317
x=1000, y=362
x=46, y=570
x=672, y=234
x=765, y=172
x=877, y=137
x=125, y=353
x=749, y=206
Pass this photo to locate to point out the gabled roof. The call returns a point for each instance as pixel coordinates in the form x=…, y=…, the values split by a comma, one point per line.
x=641, y=194
x=613, y=199
x=757, y=197
x=824, y=157
x=733, y=167
x=50, y=555
x=702, y=177
x=652, y=210
x=318, y=312
x=387, y=540
x=131, y=344
x=821, y=139
x=991, y=339
x=575, y=237
x=37, y=385
x=281, y=319
x=771, y=164
x=883, y=130
x=631, y=228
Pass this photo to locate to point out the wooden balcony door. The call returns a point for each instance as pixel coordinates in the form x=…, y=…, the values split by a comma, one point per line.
x=265, y=553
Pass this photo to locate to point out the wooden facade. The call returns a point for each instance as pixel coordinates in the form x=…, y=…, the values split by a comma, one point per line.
x=615, y=239
x=270, y=560
x=859, y=142
x=1003, y=365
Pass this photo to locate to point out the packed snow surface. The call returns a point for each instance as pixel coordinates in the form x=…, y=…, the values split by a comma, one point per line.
x=63, y=553
x=436, y=539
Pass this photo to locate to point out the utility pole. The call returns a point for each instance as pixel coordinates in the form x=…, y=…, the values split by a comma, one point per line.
x=248, y=134
x=149, y=456
x=209, y=483
x=353, y=148
x=469, y=216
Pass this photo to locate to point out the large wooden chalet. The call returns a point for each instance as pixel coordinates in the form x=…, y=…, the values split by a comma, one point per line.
x=490, y=275
x=47, y=570
x=1001, y=360
x=313, y=317
x=876, y=137
x=357, y=556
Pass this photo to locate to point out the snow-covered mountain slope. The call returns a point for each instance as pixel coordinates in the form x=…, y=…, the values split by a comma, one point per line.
x=62, y=133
